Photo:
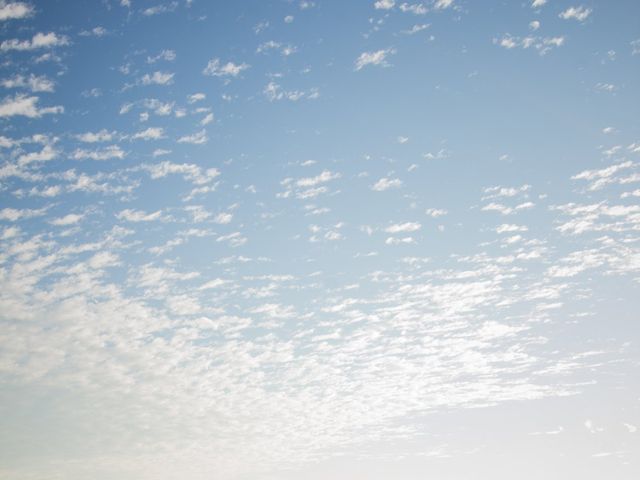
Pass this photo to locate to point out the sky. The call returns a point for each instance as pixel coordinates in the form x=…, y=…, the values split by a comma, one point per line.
x=284, y=239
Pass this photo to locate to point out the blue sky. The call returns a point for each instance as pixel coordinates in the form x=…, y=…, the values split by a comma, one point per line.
x=319, y=239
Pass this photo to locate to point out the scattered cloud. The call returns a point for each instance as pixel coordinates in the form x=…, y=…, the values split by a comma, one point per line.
x=33, y=82
x=151, y=133
x=384, y=4
x=158, y=78
x=158, y=9
x=69, y=219
x=542, y=44
x=576, y=13
x=416, y=29
x=15, y=10
x=197, y=138
x=38, y=41
x=131, y=215
x=23, y=105
x=166, y=55
x=216, y=69
x=436, y=212
x=106, y=153
x=94, y=32
x=376, y=58
x=196, y=97
x=16, y=214
x=403, y=227
x=275, y=92
x=96, y=137
x=443, y=4
x=386, y=184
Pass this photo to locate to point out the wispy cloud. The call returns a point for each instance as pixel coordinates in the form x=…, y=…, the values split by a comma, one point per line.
x=376, y=58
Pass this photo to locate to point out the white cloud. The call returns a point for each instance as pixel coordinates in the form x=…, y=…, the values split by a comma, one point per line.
x=505, y=210
x=576, y=13
x=215, y=69
x=6, y=142
x=403, y=227
x=435, y=212
x=69, y=219
x=198, y=212
x=166, y=55
x=25, y=106
x=103, y=259
x=107, y=153
x=95, y=137
x=415, y=29
x=131, y=215
x=158, y=78
x=307, y=187
x=542, y=44
x=151, y=133
x=223, y=218
x=196, y=97
x=9, y=232
x=207, y=119
x=384, y=4
x=325, y=176
x=400, y=241
x=14, y=214
x=285, y=50
x=373, y=58
x=32, y=82
x=197, y=138
x=386, y=184
x=510, y=228
x=508, y=42
x=15, y=10
x=589, y=425
x=498, y=191
x=39, y=40
x=46, y=154
x=606, y=87
x=191, y=172
x=94, y=32
x=415, y=8
x=443, y=4
x=125, y=108
x=47, y=192
x=260, y=27
x=158, y=107
x=538, y=3
x=556, y=431
x=604, y=176
x=586, y=218
x=158, y=9
x=234, y=239
x=274, y=92
x=439, y=155
x=215, y=283
x=159, y=152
